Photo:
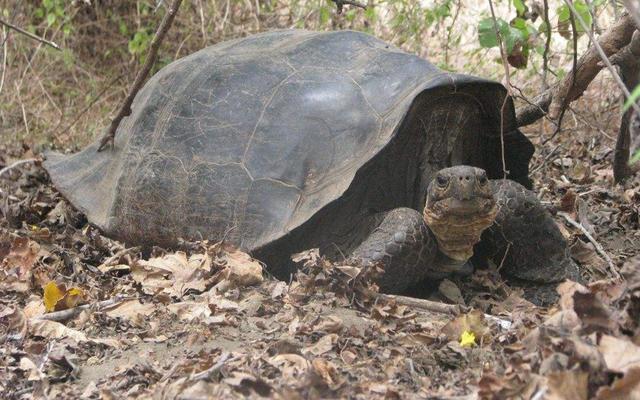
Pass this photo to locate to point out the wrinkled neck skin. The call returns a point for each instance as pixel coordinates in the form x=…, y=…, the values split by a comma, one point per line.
x=457, y=234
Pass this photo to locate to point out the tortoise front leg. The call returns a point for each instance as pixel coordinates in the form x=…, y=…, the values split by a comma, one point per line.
x=403, y=244
x=526, y=243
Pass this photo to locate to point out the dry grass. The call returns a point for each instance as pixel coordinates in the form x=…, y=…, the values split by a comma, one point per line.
x=65, y=98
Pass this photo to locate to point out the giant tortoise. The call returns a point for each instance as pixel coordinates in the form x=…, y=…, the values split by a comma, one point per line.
x=290, y=140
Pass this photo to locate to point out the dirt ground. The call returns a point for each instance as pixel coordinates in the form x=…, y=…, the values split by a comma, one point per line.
x=206, y=321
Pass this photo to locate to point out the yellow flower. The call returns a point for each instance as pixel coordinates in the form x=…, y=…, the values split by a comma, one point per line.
x=467, y=339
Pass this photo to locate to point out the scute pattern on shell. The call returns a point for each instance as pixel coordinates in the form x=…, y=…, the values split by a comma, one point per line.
x=247, y=140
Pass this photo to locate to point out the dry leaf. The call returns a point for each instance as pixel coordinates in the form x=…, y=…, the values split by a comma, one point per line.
x=567, y=385
x=620, y=355
x=241, y=269
x=56, y=330
x=323, y=345
x=190, y=310
x=131, y=310
x=173, y=274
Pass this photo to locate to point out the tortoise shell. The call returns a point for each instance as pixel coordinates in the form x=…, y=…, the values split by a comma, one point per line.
x=285, y=132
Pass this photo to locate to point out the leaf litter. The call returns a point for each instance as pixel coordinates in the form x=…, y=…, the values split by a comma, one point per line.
x=84, y=316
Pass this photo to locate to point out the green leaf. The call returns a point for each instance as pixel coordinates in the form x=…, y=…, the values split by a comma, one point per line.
x=635, y=95
x=325, y=14
x=51, y=19
x=370, y=14
x=519, y=5
x=636, y=157
x=487, y=32
x=519, y=23
x=583, y=10
x=48, y=4
x=122, y=27
x=564, y=14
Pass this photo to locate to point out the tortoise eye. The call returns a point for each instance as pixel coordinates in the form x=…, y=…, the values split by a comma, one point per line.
x=483, y=179
x=442, y=181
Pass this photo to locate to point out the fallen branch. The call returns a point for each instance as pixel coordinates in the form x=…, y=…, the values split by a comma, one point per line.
x=589, y=65
x=125, y=110
x=422, y=304
x=15, y=164
x=598, y=246
x=30, y=35
x=440, y=308
x=71, y=313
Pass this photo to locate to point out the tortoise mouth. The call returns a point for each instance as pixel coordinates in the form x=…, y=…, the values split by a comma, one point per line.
x=466, y=208
x=462, y=211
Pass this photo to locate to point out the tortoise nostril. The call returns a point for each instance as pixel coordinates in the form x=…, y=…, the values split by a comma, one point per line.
x=466, y=178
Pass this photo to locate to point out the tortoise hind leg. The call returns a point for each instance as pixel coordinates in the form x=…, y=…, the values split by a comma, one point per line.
x=403, y=244
x=527, y=245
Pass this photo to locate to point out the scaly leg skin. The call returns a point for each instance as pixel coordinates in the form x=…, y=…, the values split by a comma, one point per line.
x=405, y=247
x=537, y=258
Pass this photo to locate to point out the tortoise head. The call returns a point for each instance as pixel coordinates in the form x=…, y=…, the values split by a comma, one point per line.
x=460, y=205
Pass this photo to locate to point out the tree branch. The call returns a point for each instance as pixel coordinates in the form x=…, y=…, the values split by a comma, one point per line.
x=30, y=35
x=125, y=110
x=589, y=65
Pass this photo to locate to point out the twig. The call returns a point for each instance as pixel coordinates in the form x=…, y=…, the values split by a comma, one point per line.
x=574, y=74
x=547, y=44
x=342, y=3
x=125, y=110
x=440, y=308
x=215, y=368
x=31, y=35
x=505, y=64
x=15, y=164
x=598, y=246
x=544, y=160
x=121, y=253
x=4, y=64
x=70, y=313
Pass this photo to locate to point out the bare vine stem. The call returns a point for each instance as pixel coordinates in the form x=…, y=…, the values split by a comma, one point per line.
x=547, y=44
x=505, y=64
x=125, y=110
x=574, y=74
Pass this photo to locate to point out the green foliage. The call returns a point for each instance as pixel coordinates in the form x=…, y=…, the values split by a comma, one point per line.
x=635, y=158
x=54, y=13
x=515, y=38
x=140, y=42
x=564, y=18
